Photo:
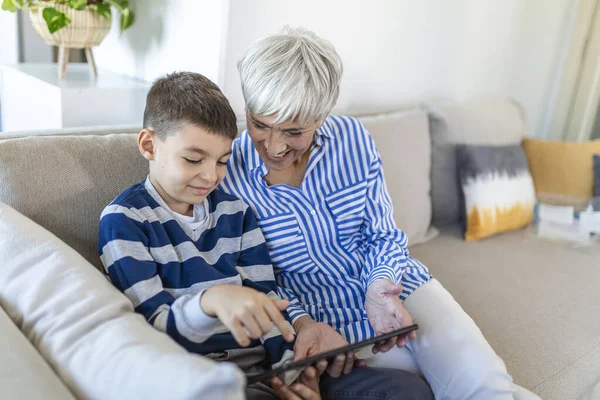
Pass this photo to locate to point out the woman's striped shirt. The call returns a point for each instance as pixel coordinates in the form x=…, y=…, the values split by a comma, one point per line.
x=333, y=236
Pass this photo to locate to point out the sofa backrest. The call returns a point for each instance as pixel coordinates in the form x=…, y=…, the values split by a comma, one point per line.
x=63, y=182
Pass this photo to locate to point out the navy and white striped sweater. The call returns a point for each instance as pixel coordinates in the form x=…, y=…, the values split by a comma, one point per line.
x=163, y=266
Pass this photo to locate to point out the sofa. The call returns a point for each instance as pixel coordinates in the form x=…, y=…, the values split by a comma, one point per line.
x=68, y=334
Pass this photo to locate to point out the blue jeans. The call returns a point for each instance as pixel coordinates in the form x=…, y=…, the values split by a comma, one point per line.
x=362, y=383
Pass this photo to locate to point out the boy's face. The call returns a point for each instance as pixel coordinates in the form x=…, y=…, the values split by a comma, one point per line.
x=187, y=165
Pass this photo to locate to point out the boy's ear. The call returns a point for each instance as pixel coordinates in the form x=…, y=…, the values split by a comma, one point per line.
x=146, y=141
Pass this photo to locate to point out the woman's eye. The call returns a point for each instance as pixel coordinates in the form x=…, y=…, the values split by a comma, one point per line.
x=258, y=126
x=294, y=133
x=222, y=162
x=192, y=161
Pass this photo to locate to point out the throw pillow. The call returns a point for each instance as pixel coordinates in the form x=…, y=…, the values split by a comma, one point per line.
x=562, y=171
x=596, y=199
x=497, y=187
x=478, y=121
x=596, y=175
x=407, y=179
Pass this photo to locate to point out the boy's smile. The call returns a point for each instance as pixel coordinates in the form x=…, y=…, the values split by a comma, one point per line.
x=187, y=166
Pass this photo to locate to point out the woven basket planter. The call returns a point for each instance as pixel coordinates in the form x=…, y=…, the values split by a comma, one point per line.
x=87, y=28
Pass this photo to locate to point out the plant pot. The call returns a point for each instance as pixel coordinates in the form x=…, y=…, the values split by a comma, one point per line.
x=87, y=28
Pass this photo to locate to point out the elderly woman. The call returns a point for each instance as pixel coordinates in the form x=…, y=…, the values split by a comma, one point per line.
x=317, y=186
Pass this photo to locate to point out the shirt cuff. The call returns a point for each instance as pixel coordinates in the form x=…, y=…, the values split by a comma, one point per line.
x=197, y=319
x=295, y=312
x=382, y=272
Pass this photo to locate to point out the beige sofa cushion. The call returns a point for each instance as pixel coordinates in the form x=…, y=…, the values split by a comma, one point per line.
x=479, y=121
x=87, y=330
x=23, y=372
x=402, y=139
x=64, y=182
x=537, y=303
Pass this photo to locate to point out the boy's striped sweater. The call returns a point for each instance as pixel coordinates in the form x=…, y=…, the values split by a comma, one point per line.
x=164, y=266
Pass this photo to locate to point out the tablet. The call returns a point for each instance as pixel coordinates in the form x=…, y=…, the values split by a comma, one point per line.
x=330, y=354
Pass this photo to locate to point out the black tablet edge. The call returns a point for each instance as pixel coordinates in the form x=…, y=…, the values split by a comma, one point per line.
x=330, y=354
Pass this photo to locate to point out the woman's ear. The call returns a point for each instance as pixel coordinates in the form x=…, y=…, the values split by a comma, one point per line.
x=146, y=141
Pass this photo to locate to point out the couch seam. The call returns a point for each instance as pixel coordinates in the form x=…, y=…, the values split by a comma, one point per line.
x=567, y=366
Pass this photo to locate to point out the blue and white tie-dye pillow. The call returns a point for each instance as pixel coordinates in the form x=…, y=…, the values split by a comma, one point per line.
x=498, y=190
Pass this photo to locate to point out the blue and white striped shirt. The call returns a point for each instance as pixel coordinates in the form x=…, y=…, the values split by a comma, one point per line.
x=164, y=266
x=335, y=235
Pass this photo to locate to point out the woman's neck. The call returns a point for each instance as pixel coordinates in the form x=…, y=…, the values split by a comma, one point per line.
x=292, y=175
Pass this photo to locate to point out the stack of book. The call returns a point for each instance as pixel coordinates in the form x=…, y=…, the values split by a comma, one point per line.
x=563, y=223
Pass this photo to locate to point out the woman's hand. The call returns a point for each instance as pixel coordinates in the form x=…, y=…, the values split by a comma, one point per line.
x=318, y=337
x=248, y=313
x=305, y=388
x=386, y=313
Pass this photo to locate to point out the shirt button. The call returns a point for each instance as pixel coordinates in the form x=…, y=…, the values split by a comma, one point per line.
x=313, y=212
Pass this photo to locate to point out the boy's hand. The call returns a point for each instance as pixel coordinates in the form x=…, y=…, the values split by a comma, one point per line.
x=248, y=313
x=305, y=388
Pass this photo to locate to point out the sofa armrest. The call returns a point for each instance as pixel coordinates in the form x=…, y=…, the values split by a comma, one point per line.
x=87, y=330
x=23, y=372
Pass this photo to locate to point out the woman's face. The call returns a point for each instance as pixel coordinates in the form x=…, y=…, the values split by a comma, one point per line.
x=279, y=145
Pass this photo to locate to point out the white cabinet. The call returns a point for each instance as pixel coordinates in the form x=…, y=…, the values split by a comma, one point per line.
x=32, y=97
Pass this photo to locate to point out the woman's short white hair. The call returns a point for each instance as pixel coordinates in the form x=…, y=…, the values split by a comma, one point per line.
x=294, y=75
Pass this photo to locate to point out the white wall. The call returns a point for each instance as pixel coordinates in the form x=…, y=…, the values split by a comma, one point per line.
x=395, y=52
x=9, y=45
x=19, y=41
x=165, y=38
x=512, y=48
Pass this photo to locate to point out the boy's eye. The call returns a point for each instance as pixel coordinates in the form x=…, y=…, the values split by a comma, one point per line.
x=192, y=161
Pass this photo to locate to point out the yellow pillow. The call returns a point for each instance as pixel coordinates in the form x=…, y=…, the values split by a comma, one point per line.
x=562, y=172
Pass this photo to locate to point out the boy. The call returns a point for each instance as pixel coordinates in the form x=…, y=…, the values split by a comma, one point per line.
x=192, y=259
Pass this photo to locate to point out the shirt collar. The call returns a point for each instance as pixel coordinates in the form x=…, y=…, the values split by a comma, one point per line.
x=253, y=159
x=158, y=198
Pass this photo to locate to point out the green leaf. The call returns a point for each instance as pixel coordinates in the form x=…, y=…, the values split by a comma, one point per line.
x=77, y=4
x=8, y=5
x=121, y=5
x=126, y=19
x=55, y=19
x=104, y=10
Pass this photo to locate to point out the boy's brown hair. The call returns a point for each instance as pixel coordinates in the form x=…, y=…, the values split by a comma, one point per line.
x=188, y=97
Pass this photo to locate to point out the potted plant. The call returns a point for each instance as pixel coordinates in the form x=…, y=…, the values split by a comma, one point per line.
x=72, y=24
